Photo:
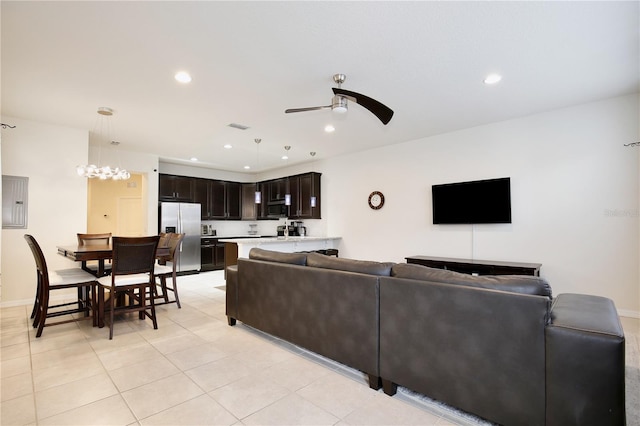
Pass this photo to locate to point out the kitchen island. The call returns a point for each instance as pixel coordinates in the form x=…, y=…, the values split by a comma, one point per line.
x=240, y=247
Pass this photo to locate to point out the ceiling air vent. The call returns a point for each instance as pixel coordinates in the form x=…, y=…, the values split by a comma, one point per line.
x=238, y=126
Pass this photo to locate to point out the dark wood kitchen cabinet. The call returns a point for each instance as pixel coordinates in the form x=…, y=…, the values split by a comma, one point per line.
x=250, y=210
x=276, y=189
x=201, y=195
x=305, y=196
x=225, y=200
x=218, y=199
x=176, y=188
x=211, y=254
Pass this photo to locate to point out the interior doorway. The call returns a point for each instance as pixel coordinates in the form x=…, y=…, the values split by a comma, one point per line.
x=117, y=206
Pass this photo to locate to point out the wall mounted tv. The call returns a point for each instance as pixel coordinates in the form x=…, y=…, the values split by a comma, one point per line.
x=481, y=201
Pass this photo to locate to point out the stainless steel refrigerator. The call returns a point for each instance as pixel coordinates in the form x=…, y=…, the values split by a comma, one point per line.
x=183, y=218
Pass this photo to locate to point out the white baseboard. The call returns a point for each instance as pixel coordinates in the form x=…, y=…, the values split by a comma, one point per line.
x=29, y=302
x=629, y=313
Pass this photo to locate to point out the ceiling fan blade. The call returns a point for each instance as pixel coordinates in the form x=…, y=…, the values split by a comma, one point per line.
x=306, y=109
x=383, y=112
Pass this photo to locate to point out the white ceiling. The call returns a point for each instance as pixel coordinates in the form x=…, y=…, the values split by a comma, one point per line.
x=252, y=60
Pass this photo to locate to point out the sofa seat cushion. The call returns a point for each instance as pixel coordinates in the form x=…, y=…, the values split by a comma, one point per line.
x=276, y=256
x=523, y=284
x=350, y=265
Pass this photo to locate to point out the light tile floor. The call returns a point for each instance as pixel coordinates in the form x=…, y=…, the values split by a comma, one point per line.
x=194, y=369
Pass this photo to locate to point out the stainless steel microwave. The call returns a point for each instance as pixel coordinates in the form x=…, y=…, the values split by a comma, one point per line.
x=277, y=210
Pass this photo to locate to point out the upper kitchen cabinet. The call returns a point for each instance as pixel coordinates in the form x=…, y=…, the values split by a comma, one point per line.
x=276, y=190
x=250, y=210
x=176, y=188
x=305, y=196
x=218, y=199
x=225, y=200
x=201, y=195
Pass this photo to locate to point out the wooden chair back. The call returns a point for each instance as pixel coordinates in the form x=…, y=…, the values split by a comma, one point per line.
x=94, y=239
x=163, y=271
x=134, y=255
x=134, y=259
x=41, y=263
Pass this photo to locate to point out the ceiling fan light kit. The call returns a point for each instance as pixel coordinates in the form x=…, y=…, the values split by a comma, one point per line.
x=340, y=98
x=339, y=104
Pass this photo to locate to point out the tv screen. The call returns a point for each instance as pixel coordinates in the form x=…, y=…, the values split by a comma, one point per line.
x=481, y=201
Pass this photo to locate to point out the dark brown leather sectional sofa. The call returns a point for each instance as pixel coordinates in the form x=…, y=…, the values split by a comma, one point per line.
x=500, y=347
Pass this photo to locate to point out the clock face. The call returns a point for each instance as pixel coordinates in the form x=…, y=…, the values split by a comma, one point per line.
x=376, y=200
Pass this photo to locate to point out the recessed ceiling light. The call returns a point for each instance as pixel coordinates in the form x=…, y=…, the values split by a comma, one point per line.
x=183, y=77
x=284, y=157
x=492, y=79
x=329, y=128
x=194, y=159
x=247, y=167
x=228, y=146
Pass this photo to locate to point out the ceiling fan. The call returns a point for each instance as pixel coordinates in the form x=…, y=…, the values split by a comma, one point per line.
x=341, y=96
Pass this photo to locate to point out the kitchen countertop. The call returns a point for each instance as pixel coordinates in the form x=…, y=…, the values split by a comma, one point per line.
x=282, y=244
x=277, y=239
x=233, y=236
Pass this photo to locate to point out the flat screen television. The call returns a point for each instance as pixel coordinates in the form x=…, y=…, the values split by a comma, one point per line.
x=481, y=201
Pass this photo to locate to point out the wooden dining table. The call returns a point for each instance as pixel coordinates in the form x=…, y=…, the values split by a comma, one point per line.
x=100, y=253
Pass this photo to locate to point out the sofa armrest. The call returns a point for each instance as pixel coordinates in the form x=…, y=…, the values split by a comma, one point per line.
x=232, y=294
x=585, y=363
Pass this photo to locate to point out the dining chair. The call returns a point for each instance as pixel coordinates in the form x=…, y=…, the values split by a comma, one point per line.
x=131, y=275
x=164, y=239
x=162, y=270
x=95, y=240
x=61, y=279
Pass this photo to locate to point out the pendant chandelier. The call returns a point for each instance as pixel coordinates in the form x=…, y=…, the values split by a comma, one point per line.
x=313, y=198
x=287, y=196
x=258, y=195
x=103, y=172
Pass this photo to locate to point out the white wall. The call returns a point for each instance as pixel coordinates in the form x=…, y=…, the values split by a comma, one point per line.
x=184, y=170
x=48, y=155
x=575, y=192
x=574, y=186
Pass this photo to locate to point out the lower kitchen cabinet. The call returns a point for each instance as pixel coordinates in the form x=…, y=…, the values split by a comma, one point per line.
x=219, y=255
x=211, y=254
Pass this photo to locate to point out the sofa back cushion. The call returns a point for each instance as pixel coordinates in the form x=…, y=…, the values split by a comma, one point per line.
x=523, y=284
x=276, y=256
x=318, y=260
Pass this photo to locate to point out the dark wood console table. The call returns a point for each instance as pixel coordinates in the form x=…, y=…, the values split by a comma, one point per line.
x=477, y=267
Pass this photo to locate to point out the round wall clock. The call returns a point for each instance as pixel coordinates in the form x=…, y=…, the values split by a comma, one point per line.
x=376, y=200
